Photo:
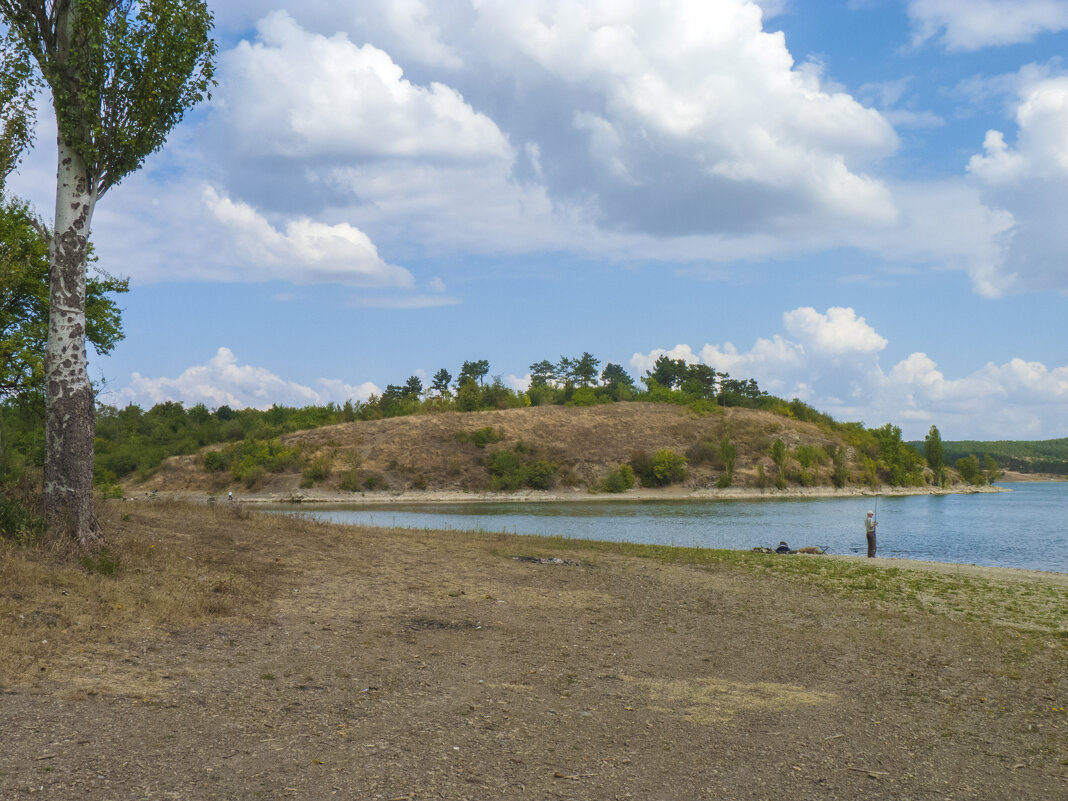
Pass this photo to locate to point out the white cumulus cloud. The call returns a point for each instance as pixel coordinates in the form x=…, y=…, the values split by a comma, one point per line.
x=306, y=250
x=222, y=381
x=975, y=24
x=1017, y=400
x=303, y=95
x=1027, y=180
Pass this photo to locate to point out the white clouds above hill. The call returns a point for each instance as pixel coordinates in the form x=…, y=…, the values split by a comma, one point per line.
x=831, y=361
x=222, y=381
x=680, y=133
x=296, y=94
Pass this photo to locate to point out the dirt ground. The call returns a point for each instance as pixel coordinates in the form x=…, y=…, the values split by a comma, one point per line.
x=417, y=665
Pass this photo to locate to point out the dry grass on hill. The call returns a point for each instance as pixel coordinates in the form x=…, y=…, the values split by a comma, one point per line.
x=424, y=452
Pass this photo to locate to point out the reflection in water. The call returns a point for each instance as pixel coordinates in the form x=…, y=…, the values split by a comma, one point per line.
x=1027, y=528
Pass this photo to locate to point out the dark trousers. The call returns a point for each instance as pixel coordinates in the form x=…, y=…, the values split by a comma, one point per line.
x=871, y=543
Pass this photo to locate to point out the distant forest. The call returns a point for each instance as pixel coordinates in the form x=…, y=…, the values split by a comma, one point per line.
x=1044, y=456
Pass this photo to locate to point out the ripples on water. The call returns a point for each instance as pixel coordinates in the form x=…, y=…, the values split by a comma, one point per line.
x=1025, y=528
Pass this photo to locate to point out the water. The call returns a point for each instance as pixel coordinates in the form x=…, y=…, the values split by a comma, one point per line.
x=1025, y=528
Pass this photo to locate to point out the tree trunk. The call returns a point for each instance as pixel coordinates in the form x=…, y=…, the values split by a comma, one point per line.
x=70, y=413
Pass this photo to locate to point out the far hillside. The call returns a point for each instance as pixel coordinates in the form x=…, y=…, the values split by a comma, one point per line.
x=1043, y=456
x=605, y=448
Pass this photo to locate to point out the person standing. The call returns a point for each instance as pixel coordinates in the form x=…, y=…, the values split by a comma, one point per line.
x=869, y=532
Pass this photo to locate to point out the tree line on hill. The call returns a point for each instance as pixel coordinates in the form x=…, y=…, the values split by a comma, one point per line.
x=568, y=381
x=1044, y=456
x=133, y=441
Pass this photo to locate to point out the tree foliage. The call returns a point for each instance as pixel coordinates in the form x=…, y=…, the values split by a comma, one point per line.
x=122, y=72
x=935, y=455
x=24, y=304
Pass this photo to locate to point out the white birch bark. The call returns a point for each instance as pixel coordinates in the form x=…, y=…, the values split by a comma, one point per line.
x=70, y=422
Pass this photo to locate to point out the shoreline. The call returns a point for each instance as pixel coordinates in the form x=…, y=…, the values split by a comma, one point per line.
x=323, y=498
x=431, y=497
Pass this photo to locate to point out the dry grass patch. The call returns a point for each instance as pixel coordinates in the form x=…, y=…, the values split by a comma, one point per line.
x=152, y=577
x=709, y=700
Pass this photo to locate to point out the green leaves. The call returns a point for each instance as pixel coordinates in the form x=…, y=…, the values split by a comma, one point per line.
x=24, y=304
x=18, y=82
x=122, y=72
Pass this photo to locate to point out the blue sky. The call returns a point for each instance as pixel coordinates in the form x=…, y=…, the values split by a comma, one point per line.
x=857, y=203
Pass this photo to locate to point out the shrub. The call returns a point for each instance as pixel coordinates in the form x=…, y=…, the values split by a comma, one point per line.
x=762, y=477
x=375, y=482
x=724, y=480
x=217, y=461
x=840, y=474
x=318, y=469
x=251, y=476
x=251, y=458
x=350, y=482
x=669, y=467
x=505, y=471
x=807, y=455
x=642, y=465
x=21, y=515
x=704, y=451
x=619, y=480
x=539, y=475
x=482, y=437
x=584, y=396
x=419, y=482
x=968, y=467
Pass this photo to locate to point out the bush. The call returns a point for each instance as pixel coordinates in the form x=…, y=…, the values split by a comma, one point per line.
x=669, y=467
x=642, y=465
x=584, y=396
x=619, y=480
x=217, y=461
x=807, y=455
x=704, y=451
x=540, y=475
x=375, y=482
x=840, y=474
x=21, y=514
x=482, y=437
x=509, y=473
x=968, y=467
x=251, y=458
x=318, y=469
x=350, y=482
x=505, y=471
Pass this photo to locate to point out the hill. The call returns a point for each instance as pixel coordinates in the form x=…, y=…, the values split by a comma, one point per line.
x=1042, y=456
x=539, y=447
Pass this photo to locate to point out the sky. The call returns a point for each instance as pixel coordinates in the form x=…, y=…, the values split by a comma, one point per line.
x=858, y=203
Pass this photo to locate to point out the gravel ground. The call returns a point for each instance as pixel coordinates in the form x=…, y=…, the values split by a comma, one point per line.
x=413, y=665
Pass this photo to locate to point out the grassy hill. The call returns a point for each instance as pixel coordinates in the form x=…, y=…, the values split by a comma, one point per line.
x=542, y=447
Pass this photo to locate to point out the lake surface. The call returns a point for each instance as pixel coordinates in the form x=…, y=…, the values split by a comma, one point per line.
x=1025, y=528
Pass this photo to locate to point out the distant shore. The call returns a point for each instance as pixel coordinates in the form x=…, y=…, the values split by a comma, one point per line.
x=316, y=496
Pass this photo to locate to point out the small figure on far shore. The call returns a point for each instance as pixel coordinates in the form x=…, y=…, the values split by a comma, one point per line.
x=869, y=532
x=230, y=496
